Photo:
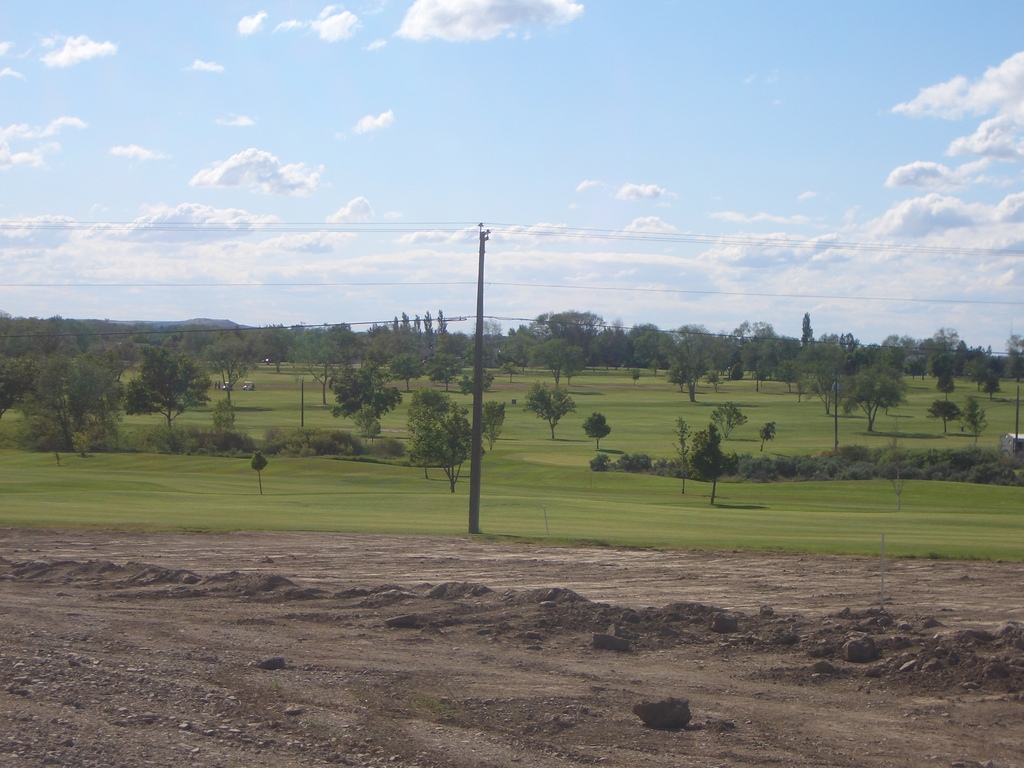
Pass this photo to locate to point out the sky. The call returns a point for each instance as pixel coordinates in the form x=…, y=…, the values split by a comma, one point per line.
x=661, y=161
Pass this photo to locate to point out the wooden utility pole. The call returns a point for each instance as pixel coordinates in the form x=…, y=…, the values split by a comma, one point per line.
x=477, y=450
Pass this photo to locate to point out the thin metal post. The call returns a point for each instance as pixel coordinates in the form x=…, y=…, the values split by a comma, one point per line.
x=302, y=402
x=477, y=448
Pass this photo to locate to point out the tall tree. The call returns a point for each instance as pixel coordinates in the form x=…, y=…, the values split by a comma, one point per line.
x=973, y=419
x=683, y=448
x=691, y=357
x=426, y=407
x=596, y=426
x=558, y=356
x=75, y=404
x=364, y=387
x=167, y=383
x=322, y=352
x=231, y=358
x=493, y=415
x=766, y=432
x=806, y=332
x=872, y=389
x=945, y=410
x=549, y=404
x=441, y=436
x=17, y=376
x=707, y=460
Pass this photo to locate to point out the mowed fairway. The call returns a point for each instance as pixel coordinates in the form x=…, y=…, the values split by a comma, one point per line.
x=536, y=488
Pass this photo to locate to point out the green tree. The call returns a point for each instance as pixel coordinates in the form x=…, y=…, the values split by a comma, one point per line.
x=550, y=404
x=493, y=414
x=942, y=365
x=766, y=433
x=806, y=333
x=466, y=383
x=366, y=422
x=364, y=387
x=443, y=367
x=596, y=427
x=17, y=376
x=707, y=461
x=406, y=367
x=945, y=410
x=560, y=357
x=972, y=418
x=509, y=368
x=727, y=417
x=274, y=343
x=230, y=358
x=167, y=383
x=426, y=406
x=691, y=357
x=259, y=463
x=223, y=416
x=323, y=351
x=875, y=387
x=75, y=405
x=682, y=448
x=442, y=437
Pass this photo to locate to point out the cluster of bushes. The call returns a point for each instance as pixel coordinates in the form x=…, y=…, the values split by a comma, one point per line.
x=279, y=441
x=966, y=465
x=637, y=462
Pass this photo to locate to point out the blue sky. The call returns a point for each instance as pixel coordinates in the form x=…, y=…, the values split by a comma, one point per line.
x=666, y=162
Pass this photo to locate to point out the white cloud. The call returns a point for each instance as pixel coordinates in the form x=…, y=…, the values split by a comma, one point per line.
x=76, y=50
x=808, y=195
x=370, y=123
x=261, y=171
x=587, y=184
x=923, y=174
x=285, y=26
x=461, y=20
x=204, y=66
x=8, y=72
x=356, y=211
x=923, y=216
x=743, y=218
x=240, y=121
x=159, y=222
x=998, y=138
x=651, y=225
x=34, y=156
x=1000, y=89
x=639, y=192
x=250, y=25
x=376, y=45
x=5, y=46
x=135, y=152
x=334, y=24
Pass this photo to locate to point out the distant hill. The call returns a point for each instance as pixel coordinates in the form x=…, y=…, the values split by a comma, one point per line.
x=203, y=322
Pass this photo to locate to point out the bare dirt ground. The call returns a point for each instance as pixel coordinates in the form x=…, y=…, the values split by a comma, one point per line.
x=134, y=649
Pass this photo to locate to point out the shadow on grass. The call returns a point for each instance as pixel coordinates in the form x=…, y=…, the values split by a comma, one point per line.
x=720, y=505
x=610, y=450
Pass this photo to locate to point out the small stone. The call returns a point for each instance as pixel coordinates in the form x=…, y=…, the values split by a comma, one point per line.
x=293, y=710
x=767, y=611
x=824, y=668
x=859, y=649
x=724, y=623
x=668, y=714
x=405, y=621
x=277, y=662
x=605, y=642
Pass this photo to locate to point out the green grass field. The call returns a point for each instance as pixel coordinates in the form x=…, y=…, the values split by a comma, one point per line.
x=538, y=489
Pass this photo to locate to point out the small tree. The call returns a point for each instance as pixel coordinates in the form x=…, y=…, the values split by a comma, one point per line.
x=441, y=437
x=405, y=367
x=682, y=436
x=510, y=368
x=635, y=375
x=945, y=410
x=596, y=427
x=549, y=404
x=493, y=414
x=223, y=416
x=766, y=433
x=366, y=422
x=727, y=417
x=259, y=463
x=466, y=383
x=972, y=418
x=895, y=471
x=707, y=460
x=443, y=367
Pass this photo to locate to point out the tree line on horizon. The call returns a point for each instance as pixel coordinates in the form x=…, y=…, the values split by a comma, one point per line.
x=71, y=378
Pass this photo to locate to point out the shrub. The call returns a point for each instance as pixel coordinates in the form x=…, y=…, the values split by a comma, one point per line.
x=601, y=463
x=637, y=462
x=285, y=441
